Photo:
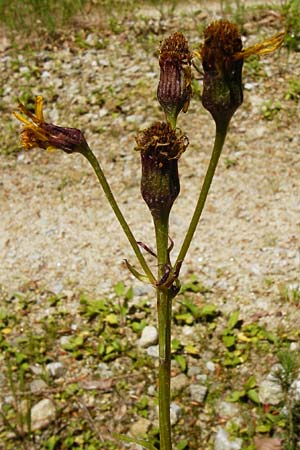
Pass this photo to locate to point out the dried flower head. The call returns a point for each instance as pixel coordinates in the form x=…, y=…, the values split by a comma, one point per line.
x=174, y=88
x=38, y=133
x=160, y=149
x=222, y=58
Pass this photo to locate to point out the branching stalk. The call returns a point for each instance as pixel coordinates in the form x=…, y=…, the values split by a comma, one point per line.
x=109, y=195
x=220, y=136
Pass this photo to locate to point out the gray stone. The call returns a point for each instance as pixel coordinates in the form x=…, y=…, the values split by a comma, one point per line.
x=56, y=369
x=104, y=370
x=179, y=382
x=64, y=340
x=38, y=386
x=193, y=370
x=223, y=441
x=270, y=390
x=201, y=378
x=188, y=330
x=149, y=336
x=37, y=369
x=153, y=351
x=175, y=413
x=295, y=346
x=141, y=427
x=42, y=413
x=295, y=391
x=210, y=366
x=198, y=392
x=228, y=409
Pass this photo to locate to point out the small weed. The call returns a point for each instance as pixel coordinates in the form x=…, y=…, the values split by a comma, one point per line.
x=42, y=14
x=290, y=294
x=293, y=92
x=253, y=67
x=270, y=110
x=290, y=12
x=230, y=162
x=286, y=376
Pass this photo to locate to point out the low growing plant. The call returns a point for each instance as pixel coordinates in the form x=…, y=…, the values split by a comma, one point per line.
x=160, y=147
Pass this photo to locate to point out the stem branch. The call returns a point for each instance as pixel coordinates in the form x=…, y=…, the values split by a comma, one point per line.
x=109, y=195
x=217, y=149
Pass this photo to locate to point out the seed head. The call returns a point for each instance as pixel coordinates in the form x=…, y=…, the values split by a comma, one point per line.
x=174, y=88
x=160, y=149
x=38, y=133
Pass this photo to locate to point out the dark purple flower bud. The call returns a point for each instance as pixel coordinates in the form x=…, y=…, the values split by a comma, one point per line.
x=222, y=84
x=38, y=133
x=174, y=89
x=160, y=149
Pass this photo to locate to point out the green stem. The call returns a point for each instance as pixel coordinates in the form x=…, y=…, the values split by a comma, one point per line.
x=221, y=132
x=164, y=311
x=109, y=195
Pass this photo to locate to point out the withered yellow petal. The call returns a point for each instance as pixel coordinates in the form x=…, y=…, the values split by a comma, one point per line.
x=39, y=108
x=22, y=119
x=262, y=48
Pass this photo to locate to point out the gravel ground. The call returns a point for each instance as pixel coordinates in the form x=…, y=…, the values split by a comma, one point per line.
x=57, y=230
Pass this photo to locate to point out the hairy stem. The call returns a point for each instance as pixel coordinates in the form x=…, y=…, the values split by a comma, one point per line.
x=164, y=311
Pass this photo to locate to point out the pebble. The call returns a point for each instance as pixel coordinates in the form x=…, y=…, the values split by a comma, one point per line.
x=141, y=427
x=64, y=340
x=38, y=386
x=56, y=369
x=153, y=351
x=295, y=346
x=104, y=370
x=270, y=390
x=175, y=413
x=223, y=441
x=149, y=336
x=210, y=366
x=188, y=330
x=227, y=409
x=198, y=392
x=179, y=382
x=42, y=413
x=295, y=391
x=193, y=370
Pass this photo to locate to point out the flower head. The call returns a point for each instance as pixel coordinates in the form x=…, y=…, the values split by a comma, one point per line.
x=222, y=56
x=160, y=149
x=174, y=88
x=38, y=133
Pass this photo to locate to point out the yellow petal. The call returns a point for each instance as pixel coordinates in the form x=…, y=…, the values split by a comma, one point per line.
x=263, y=48
x=22, y=119
x=39, y=108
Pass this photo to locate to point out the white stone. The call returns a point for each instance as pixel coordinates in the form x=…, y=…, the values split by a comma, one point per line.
x=270, y=391
x=42, y=413
x=223, y=441
x=295, y=391
x=198, y=392
x=175, y=413
x=153, y=351
x=179, y=382
x=149, y=336
x=38, y=386
x=56, y=369
x=228, y=409
x=210, y=366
